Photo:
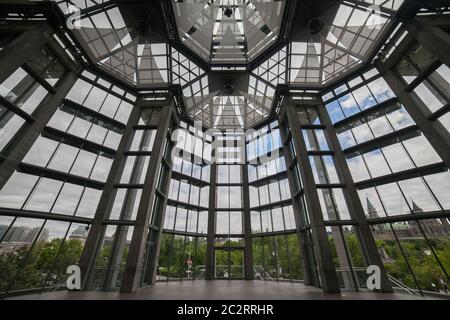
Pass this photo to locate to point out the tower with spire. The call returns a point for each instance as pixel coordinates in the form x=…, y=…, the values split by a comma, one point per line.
x=431, y=227
x=372, y=214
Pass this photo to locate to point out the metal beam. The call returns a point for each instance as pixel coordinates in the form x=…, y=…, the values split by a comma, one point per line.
x=402, y=175
x=43, y=215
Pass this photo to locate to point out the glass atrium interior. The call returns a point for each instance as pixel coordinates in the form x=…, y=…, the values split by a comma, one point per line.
x=191, y=140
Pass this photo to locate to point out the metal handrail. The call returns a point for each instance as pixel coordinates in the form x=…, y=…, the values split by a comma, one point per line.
x=402, y=286
x=264, y=272
x=58, y=285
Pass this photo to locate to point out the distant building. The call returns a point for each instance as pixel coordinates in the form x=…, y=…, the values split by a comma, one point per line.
x=3, y=230
x=19, y=237
x=24, y=234
x=79, y=233
x=408, y=229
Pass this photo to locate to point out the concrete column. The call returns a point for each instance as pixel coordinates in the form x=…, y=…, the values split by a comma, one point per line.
x=437, y=137
x=210, y=254
x=366, y=240
x=152, y=257
x=13, y=56
x=127, y=209
x=248, y=253
x=339, y=242
x=433, y=38
x=135, y=263
x=322, y=248
x=28, y=135
x=308, y=263
x=95, y=237
x=19, y=51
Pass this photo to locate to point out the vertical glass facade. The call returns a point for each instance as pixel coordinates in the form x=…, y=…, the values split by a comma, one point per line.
x=313, y=160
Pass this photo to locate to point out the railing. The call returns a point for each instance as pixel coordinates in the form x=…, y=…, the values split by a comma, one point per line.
x=260, y=272
x=197, y=273
x=397, y=284
x=229, y=271
x=57, y=285
x=360, y=275
x=200, y=273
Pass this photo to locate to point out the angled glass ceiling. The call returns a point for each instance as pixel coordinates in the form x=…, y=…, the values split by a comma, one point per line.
x=228, y=31
x=210, y=99
x=128, y=41
x=333, y=37
x=329, y=38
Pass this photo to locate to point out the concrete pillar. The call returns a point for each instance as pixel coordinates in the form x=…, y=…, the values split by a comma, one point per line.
x=248, y=253
x=97, y=229
x=13, y=56
x=135, y=263
x=127, y=209
x=152, y=257
x=366, y=240
x=28, y=135
x=305, y=246
x=19, y=51
x=433, y=38
x=339, y=242
x=210, y=253
x=322, y=249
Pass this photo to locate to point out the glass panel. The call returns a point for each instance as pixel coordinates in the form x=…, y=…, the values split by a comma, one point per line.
x=16, y=190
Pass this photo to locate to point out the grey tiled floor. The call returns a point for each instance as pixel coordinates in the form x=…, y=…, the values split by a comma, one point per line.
x=221, y=289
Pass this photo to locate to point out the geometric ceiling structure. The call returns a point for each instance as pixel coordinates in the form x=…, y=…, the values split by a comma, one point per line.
x=239, y=53
x=228, y=31
x=233, y=99
x=127, y=40
x=331, y=38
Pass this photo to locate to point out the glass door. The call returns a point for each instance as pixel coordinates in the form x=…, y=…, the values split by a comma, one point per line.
x=229, y=263
x=236, y=264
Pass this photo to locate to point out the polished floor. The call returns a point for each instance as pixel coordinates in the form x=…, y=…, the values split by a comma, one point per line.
x=221, y=290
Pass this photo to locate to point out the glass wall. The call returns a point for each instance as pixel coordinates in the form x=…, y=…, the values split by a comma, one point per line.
x=429, y=81
x=397, y=172
x=229, y=244
x=61, y=178
x=182, y=257
x=35, y=253
x=416, y=253
x=276, y=252
x=183, y=247
x=249, y=204
x=24, y=91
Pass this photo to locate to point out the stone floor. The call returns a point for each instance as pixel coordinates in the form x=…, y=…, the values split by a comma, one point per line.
x=221, y=290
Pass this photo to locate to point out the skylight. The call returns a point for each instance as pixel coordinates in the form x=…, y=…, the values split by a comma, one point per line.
x=228, y=31
x=344, y=42
x=121, y=49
